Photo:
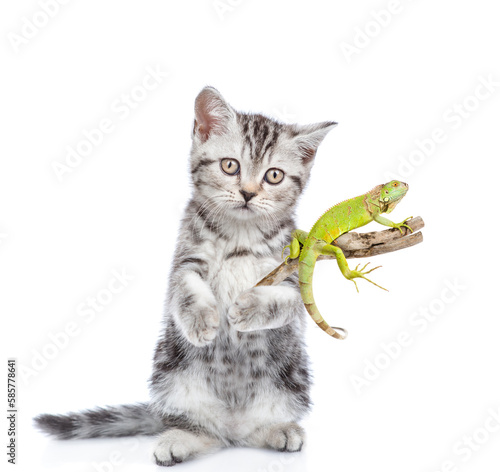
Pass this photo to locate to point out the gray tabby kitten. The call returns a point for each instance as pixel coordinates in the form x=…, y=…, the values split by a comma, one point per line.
x=230, y=368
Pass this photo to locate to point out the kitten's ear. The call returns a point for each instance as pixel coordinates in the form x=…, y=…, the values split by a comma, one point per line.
x=309, y=137
x=212, y=113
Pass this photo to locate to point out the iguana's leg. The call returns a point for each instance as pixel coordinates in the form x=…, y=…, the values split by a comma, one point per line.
x=329, y=250
x=298, y=238
x=386, y=222
x=300, y=235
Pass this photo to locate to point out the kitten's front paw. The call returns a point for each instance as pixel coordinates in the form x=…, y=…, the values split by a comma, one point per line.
x=203, y=325
x=246, y=313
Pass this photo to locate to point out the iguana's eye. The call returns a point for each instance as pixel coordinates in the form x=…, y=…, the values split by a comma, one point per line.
x=230, y=166
x=395, y=184
x=274, y=176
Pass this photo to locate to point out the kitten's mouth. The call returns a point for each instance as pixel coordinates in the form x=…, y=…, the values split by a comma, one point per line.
x=244, y=210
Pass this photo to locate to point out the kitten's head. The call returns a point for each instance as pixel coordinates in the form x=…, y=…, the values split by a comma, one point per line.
x=248, y=166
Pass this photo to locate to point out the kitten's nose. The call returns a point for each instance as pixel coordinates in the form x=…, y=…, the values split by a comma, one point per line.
x=247, y=195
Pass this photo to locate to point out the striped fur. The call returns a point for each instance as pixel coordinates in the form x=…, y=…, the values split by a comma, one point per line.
x=230, y=367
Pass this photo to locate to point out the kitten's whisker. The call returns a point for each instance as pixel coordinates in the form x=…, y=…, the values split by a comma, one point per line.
x=275, y=227
x=207, y=216
x=213, y=211
x=269, y=221
x=208, y=203
x=200, y=210
x=199, y=215
x=216, y=213
x=220, y=215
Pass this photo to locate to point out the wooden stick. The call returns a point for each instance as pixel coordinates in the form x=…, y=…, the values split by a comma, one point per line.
x=356, y=245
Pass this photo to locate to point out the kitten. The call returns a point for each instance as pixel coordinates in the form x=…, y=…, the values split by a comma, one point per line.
x=230, y=368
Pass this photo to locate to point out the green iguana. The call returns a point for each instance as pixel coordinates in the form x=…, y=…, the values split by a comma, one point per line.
x=339, y=219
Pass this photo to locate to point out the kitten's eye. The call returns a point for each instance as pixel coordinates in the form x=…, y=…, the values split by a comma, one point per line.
x=230, y=166
x=274, y=176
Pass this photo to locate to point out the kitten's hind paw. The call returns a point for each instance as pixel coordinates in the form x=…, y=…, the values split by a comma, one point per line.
x=289, y=438
x=176, y=445
x=284, y=437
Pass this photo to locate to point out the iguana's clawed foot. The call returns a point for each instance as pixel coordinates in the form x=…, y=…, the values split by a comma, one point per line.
x=353, y=274
x=283, y=252
x=294, y=248
x=402, y=224
x=289, y=247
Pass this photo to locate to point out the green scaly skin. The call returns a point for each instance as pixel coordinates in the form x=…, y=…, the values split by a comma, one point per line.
x=341, y=218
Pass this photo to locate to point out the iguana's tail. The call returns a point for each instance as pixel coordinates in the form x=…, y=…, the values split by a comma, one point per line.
x=116, y=421
x=307, y=262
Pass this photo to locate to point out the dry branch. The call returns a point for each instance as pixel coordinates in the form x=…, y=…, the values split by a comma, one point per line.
x=356, y=245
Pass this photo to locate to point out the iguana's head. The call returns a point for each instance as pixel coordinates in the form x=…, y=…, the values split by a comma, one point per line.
x=391, y=194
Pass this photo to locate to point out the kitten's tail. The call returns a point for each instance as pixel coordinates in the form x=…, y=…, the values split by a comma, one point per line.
x=111, y=421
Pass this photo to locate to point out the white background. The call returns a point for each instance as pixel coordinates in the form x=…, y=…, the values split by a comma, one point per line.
x=120, y=209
